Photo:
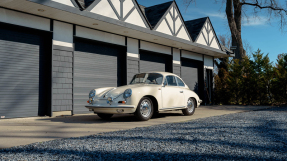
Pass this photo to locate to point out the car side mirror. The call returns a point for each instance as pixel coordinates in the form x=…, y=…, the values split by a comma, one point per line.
x=164, y=84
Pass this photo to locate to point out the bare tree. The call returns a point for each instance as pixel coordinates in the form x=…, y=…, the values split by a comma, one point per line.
x=222, y=62
x=225, y=40
x=234, y=10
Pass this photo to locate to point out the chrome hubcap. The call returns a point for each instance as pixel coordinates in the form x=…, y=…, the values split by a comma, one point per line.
x=145, y=108
x=190, y=105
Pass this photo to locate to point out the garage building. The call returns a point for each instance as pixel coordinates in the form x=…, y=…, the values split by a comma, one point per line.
x=53, y=52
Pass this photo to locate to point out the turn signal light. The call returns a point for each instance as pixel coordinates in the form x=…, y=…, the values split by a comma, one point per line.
x=122, y=102
x=88, y=101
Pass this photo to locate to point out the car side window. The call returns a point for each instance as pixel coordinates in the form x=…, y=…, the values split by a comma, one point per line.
x=171, y=81
x=179, y=82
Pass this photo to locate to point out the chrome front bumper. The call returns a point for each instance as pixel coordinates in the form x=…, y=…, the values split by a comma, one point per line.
x=111, y=109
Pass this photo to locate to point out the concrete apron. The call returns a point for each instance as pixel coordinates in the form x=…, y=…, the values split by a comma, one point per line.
x=22, y=131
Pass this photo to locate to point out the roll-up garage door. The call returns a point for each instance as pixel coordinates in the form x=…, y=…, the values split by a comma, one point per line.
x=151, y=61
x=96, y=65
x=192, y=75
x=25, y=57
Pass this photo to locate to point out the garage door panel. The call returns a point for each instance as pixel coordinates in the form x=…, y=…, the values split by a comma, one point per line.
x=21, y=52
x=146, y=66
x=96, y=65
x=192, y=75
x=150, y=61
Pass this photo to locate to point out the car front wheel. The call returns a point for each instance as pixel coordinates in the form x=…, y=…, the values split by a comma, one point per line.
x=104, y=116
x=190, y=107
x=144, y=109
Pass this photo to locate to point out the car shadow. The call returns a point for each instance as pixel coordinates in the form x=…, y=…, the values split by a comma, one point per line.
x=94, y=119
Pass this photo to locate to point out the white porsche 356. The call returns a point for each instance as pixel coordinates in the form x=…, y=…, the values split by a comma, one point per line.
x=146, y=94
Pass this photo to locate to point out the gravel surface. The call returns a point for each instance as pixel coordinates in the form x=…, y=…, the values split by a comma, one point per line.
x=256, y=135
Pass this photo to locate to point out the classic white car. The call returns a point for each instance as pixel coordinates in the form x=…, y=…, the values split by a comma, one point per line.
x=147, y=93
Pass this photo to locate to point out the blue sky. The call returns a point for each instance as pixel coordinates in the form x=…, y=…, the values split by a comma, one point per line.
x=258, y=32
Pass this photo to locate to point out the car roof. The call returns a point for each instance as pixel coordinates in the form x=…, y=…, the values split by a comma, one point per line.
x=163, y=73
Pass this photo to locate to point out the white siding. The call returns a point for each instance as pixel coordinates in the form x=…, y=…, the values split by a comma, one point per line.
x=163, y=28
x=201, y=40
x=65, y=2
x=136, y=19
x=104, y=8
x=63, y=32
x=191, y=55
x=99, y=35
x=208, y=62
x=133, y=48
x=178, y=23
x=155, y=48
x=117, y=5
x=22, y=19
x=214, y=44
x=176, y=56
x=128, y=5
x=183, y=34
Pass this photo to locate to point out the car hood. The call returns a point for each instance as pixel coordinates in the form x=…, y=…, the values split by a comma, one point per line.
x=116, y=91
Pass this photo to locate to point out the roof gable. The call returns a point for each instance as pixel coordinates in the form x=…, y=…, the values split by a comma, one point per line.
x=170, y=22
x=155, y=13
x=202, y=32
x=123, y=10
x=194, y=27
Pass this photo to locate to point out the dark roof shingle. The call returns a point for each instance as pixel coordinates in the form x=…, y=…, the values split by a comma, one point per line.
x=194, y=26
x=155, y=13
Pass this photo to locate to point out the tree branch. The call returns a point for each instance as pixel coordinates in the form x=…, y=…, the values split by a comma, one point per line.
x=265, y=7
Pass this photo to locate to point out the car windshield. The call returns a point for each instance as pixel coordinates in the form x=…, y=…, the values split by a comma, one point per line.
x=147, y=78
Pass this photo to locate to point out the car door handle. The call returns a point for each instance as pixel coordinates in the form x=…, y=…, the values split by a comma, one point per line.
x=180, y=91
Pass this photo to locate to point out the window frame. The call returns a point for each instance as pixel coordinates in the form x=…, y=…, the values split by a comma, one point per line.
x=175, y=81
x=181, y=80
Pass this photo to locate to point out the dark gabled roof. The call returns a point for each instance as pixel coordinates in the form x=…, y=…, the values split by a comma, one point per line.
x=194, y=26
x=155, y=13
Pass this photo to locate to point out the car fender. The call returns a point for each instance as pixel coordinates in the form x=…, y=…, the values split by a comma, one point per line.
x=139, y=93
x=100, y=91
x=191, y=94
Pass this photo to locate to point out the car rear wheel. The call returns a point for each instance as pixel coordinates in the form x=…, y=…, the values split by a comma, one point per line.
x=144, y=110
x=190, y=107
x=104, y=116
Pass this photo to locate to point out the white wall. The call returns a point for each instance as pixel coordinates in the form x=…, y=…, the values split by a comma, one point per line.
x=133, y=48
x=65, y=2
x=176, y=56
x=100, y=36
x=22, y=19
x=155, y=48
x=208, y=62
x=104, y=8
x=191, y=55
x=63, y=34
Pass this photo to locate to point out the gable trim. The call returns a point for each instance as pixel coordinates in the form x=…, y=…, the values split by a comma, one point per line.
x=162, y=18
x=91, y=6
x=169, y=26
x=178, y=30
x=129, y=13
x=208, y=32
x=174, y=33
x=142, y=14
x=203, y=27
x=217, y=41
x=115, y=11
x=120, y=15
x=76, y=4
x=181, y=18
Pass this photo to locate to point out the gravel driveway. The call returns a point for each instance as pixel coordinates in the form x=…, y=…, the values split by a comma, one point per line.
x=256, y=135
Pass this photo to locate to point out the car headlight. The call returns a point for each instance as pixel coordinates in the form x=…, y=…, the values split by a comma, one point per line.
x=92, y=93
x=127, y=93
